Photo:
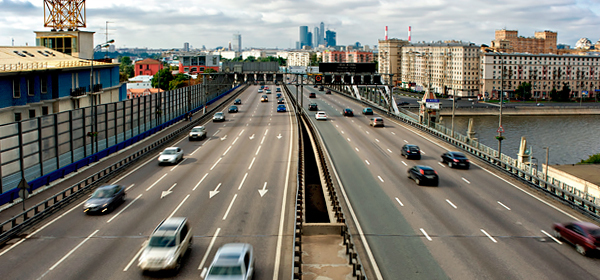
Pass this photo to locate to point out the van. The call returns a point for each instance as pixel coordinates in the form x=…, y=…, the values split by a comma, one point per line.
x=167, y=245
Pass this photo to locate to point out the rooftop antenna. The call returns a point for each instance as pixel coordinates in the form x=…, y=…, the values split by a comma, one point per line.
x=64, y=14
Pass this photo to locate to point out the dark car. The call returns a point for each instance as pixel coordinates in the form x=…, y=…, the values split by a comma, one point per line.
x=278, y=90
x=403, y=103
x=233, y=109
x=278, y=95
x=321, y=88
x=280, y=101
x=312, y=95
x=455, y=159
x=348, y=112
x=367, y=111
x=411, y=151
x=313, y=107
x=315, y=86
x=328, y=91
x=583, y=235
x=281, y=108
x=423, y=175
x=237, y=101
x=105, y=199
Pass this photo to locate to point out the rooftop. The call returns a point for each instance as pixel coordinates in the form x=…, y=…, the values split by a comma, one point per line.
x=587, y=172
x=28, y=58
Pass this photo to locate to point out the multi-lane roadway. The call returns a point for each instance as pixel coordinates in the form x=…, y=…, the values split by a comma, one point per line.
x=238, y=185
x=477, y=224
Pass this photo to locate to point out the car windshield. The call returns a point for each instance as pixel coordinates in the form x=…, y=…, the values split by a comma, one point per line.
x=459, y=155
x=368, y=110
x=169, y=152
x=225, y=270
x=102, y=193
x=428, y=172
x=232, y=107
x=595, y=233
x=218, y=114
x=197, y=129
x=162, y=241
x=414, y=149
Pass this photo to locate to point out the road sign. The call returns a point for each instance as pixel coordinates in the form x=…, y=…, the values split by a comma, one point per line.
x=432, y=100
x=347, y=67
x=500, y=130
x=23, y=193
x=432, y=105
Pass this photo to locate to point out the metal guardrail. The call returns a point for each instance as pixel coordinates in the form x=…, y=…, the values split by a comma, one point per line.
x=29, y=217
x=351, y=251
x=569, y=195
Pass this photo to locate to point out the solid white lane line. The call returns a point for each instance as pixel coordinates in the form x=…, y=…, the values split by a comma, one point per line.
x=227, y=150
x=124, y=208
x=389, y=150
x=348, y=139
x=425, y=233
x=257, y=150
x=213, y=167
x=253, y=159
x=404, y=163
x=40, y=229
x=489, y=236
x=368, y=163
x=399, y=202
x=210, y=245
x=178, y=206
x=553, y=238
x=199, y=182
x=229, y=208
x=127, y=189
x=451, y=204
x=356, y=149
x=504, y=205
x=380, y=178
x=73, y=250
x=466, y=180
x=243, y=180
x=163, y=176
x=134, y=258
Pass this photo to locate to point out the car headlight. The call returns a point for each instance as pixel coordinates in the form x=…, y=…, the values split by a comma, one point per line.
x=104, y=205
x=170, y=259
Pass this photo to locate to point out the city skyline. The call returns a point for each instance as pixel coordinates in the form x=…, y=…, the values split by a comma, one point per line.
x=140, y=23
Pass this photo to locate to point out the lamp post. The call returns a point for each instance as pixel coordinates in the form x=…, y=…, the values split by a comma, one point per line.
x=93, y=103
x=500, y=130
x=546, y=172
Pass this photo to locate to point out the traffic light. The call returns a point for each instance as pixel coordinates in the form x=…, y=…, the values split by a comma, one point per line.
x=357, y=80
x=377, y=79
x=337, y=79
x=367, y=80
x=347, y=79
x=327, y=79
x=318, y=79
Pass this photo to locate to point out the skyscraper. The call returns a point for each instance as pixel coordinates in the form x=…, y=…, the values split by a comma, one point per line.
x=303, y=36
x=186, y=47
x=316, y=41
x=237, y=42
x=310, y=41
x=322, y=34
x=330, y=38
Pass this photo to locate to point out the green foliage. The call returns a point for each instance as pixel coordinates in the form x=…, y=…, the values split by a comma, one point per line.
x=523, y=92
x=592, y=159
x=564, y=95
x=280, y=60
x=314, y=60
x=250, y=59
x=209, y=70
x=164, y=77
x=125, y=68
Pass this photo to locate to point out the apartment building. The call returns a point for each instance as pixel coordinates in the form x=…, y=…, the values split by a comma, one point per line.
x=543, y=71
x=298, y=58
x=389, y=59
x=450, y=68
x=351, y=56
x=509, y=41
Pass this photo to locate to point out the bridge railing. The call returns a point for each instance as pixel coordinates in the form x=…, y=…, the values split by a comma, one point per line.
x=569, y=195
x=32, y=215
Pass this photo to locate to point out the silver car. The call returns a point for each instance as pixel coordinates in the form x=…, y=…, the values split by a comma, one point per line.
x=233, y=261
x=219, y=117
x=171, y=155
x=198, y=132
x=168, y=244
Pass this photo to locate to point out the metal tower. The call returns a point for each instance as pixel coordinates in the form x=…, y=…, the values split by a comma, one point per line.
x=64, y=14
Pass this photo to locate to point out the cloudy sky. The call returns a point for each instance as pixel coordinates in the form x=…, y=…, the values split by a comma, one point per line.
x=274, y=23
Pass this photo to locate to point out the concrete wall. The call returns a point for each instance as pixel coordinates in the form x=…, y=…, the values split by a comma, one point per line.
x=573, y=181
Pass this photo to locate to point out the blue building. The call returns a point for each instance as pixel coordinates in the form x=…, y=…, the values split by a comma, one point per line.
x=36, y=81
x=330, y=38
x=304, y=40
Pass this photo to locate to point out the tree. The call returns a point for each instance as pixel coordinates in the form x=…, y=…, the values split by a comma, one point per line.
x=523, y=92
x=250, y=59
x=314, y=60
x=164, y=76
x=209, y=70
x=553, y=94
x=592, y=159
x=126, y=67
x=564, y=94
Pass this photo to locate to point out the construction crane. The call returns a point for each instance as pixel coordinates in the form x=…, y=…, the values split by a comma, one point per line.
x=64, y=14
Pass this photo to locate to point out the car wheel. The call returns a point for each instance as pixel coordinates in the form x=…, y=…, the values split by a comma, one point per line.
x=580, y=249
x=178, y=264
x=450, y=164
x=557, y=235
x=418, y=181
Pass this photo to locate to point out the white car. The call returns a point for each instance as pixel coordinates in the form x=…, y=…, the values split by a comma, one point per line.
x=168, y=244
x=233, y=261
x=171, y=155
x=321, y=115
x=260, y=90
x=219, y=117
x=198, y=132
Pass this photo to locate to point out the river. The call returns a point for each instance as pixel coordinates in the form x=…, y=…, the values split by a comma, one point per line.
x=570, y=138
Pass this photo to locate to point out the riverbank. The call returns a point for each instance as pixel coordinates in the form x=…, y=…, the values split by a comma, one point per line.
x=519, y=110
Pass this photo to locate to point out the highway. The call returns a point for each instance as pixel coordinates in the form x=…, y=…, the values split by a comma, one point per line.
x=238, y=185
x=477, y=224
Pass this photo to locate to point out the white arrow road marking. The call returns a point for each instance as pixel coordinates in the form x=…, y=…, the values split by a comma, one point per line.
x=279, y=136
x=224, y=137
x=251, y=137
x=215, y=192
x=263, y=191
x=167, y=192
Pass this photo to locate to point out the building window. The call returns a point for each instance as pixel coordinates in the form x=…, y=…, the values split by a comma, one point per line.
x=44, y=84
x=17, y=117
x=31, y=114
x=45, y=110
x=16, y=88
x=30, y=89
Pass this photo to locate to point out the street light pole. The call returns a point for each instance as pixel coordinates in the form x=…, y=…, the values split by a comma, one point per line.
x=499, y=137
x=546, y=172
x=93, y=103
